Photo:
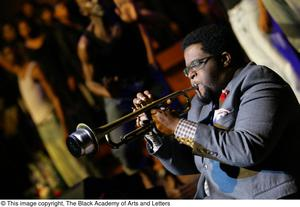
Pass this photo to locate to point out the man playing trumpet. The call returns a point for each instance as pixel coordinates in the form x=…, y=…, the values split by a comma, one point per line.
x=240, y=131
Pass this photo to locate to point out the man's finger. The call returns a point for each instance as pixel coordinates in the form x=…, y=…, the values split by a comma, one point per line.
x=137, y=102
x=155, y=111
x=148, y=94
x=141, y=96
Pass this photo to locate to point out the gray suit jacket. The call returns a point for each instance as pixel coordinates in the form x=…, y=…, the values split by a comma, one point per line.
x=250, y=153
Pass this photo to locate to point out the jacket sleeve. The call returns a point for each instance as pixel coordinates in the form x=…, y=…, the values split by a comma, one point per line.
x=262, y=115
x=176, y=157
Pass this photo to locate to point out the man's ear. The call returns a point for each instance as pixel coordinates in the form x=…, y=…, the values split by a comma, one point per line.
x=226, y=59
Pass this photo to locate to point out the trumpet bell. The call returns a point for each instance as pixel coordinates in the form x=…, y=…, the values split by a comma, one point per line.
x=82, y=142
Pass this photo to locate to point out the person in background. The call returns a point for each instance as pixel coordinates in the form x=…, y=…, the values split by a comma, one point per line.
x=240, y=131
x=250, y=23
x=27, y=9
x=14, y=178
x=9, y=35
x=287, y=18
x=284, y=38
x=45, y=110
x=114, y=64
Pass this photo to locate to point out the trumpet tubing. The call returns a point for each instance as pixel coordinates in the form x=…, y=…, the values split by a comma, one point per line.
x=86, y=141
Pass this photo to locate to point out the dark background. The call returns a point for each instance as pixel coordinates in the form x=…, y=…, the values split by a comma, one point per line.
x=8, y=9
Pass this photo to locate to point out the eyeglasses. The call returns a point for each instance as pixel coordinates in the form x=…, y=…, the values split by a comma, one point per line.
x=196, y=65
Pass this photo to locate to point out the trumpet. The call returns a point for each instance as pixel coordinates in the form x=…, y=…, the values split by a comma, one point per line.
x=86, y=141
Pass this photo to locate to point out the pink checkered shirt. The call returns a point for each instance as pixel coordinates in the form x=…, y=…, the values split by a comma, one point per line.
x=186, y=129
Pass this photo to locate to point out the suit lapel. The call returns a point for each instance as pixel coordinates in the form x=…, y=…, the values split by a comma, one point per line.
x=206, y=112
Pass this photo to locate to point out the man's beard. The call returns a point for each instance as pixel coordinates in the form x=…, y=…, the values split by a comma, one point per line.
x=207, y=97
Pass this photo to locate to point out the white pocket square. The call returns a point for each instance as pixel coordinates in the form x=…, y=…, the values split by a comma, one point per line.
x=219, y=113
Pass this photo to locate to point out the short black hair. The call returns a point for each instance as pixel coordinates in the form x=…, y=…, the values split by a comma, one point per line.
x=215, y=40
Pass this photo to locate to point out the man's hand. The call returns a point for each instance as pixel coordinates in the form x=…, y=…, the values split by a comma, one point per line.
x=165, y=121
x=141, y=100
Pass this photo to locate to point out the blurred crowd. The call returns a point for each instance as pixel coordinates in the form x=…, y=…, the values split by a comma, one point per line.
x=65, y=62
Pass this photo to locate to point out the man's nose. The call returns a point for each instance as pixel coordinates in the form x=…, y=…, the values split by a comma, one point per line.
x=192, y=74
